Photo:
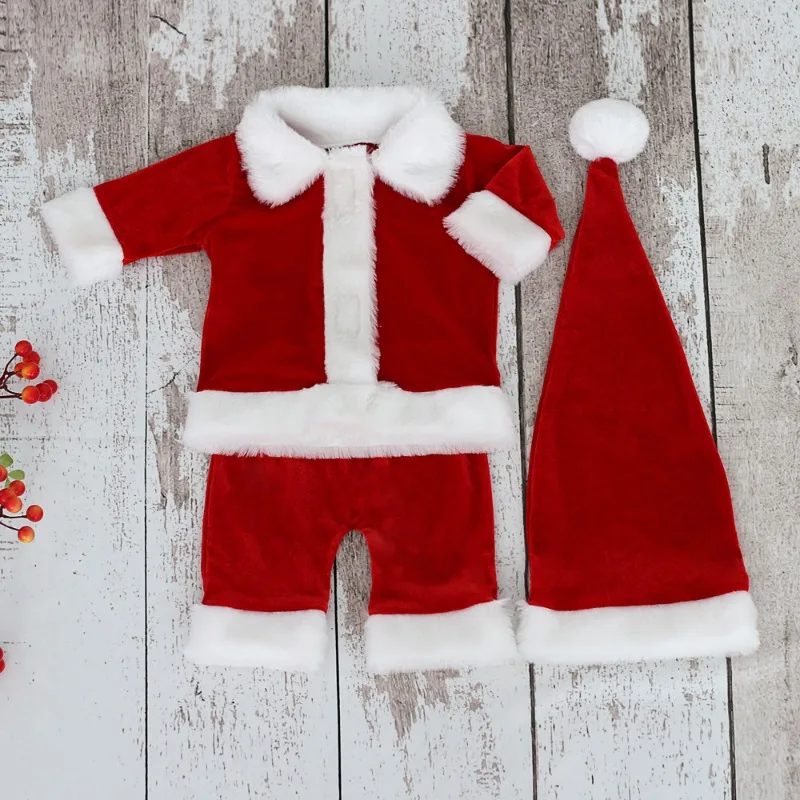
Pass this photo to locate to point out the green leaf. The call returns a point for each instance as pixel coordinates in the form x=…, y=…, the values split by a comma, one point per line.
x=16, y=475
x=6, y=460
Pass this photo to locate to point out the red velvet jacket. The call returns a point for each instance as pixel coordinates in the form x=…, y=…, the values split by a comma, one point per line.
x=356, y=238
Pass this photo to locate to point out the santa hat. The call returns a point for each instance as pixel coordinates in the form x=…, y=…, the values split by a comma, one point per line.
x=631, y=538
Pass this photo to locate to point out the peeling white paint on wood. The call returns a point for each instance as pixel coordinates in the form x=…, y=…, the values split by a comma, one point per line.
x=748, y=62
x=748, y=59
x=619, y=23
x=413, y=42
x=208, y=40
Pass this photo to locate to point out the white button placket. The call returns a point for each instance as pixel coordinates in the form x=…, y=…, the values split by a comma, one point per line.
x=348, y=267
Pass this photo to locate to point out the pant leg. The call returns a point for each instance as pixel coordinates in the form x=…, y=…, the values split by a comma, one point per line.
x=270, y=532
x=429, y=525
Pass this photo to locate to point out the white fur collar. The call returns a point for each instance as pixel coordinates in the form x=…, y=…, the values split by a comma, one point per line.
x=284, y=132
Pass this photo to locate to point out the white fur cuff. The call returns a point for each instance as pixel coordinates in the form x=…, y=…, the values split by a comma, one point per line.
x=500, y=237
x=85, y=240
x=286, y=640
x=716, y=626
x=477, y=636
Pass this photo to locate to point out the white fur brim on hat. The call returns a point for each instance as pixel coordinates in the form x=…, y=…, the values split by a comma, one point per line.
x=609, y=128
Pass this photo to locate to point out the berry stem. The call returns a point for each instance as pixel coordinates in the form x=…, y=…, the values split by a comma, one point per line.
x=3, y=516
x=10, y=362
x=4, y=378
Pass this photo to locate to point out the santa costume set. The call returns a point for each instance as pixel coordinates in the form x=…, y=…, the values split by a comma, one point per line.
x=357, y=238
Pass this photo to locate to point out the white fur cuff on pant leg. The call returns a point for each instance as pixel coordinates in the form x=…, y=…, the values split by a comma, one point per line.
x=287, y=640
x=480, y=635
x=715, y=626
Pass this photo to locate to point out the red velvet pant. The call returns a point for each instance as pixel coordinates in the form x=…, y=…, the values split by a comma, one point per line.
x=271, y=530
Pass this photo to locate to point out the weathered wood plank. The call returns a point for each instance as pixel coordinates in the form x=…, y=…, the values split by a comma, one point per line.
x=748, y=62
x=652, y=730
x=439, y=734
x=72, y=603
x=214, y=732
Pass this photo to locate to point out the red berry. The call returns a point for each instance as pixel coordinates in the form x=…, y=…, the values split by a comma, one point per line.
x=45, y=392
x=6, y=495
x=33, y=357
x=23, y=347
x=34, y=513
x=13, y=504
x=25, y=534
x=1, y=653
x=18, y=367
x=29, y=370
x=30, y=394
x=52, y=384
x=2, y=665
x=3, y=473
x=18, y=487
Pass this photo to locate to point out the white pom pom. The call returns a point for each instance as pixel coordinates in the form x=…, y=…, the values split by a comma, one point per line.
x=609, y=128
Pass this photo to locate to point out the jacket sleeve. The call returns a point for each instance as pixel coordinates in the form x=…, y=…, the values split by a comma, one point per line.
x=161, y=209
x=511, y=224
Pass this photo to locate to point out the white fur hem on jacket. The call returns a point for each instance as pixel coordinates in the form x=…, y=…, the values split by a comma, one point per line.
x=500, y=237
x=350, y=420
x=716, y=626
x=88, y=247
x=285, y=640
x=481, y=635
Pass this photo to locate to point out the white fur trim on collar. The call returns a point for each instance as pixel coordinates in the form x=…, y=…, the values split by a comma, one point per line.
x=284, y=134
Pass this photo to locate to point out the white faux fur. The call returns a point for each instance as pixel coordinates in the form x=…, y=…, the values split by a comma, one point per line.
x=348, y=420
x=88, y=247
x=284, y=133
x=477, y=636
x=716, y=626
x=500, y=237
x=348, y=268
x=609, y=128
x=286, y=640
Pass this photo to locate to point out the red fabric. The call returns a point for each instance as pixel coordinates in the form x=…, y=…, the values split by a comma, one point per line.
x=628, y=503
x=168, y=207
x=272, y=527
x=264, y=327
x=520, y=184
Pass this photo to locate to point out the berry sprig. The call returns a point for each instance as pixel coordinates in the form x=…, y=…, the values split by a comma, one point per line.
x=27, y=368
x=24, y=365
x=11, y=507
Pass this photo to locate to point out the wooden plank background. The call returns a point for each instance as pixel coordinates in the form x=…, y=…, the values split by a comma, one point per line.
x=97, y=701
